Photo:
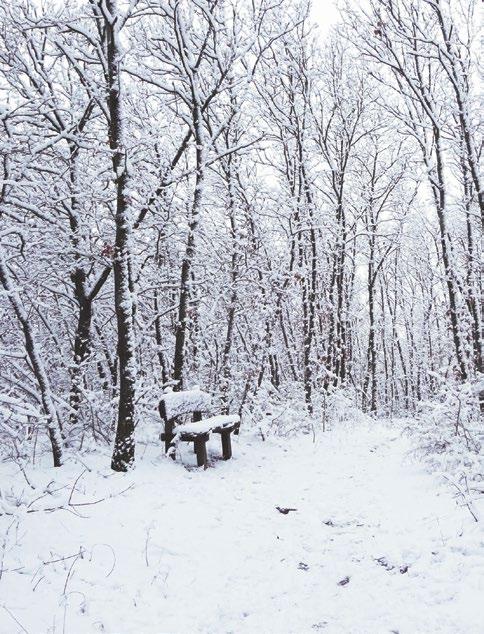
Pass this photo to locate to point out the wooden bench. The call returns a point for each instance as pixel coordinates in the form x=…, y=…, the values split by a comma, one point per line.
x=175, y=405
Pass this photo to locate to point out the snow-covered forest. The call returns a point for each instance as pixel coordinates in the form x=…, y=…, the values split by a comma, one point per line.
x=231, y=206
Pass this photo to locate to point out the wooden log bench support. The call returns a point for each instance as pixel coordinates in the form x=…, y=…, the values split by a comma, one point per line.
x=174, y=405
x=225, y=429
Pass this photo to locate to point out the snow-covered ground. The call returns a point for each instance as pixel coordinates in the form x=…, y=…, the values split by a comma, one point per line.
x=376, y=543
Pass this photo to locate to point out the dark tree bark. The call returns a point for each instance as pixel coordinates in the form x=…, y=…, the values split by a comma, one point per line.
x=457, y=73
x=53, y=423
x=124, y=444
x=182, y=319
x=439, y=194
x=225, y=371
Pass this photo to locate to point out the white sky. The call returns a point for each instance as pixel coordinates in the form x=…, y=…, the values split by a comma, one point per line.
x=325, y=13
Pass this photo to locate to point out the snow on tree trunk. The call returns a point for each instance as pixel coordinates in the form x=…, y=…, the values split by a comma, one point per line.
x=124, y=444
x=53, y=425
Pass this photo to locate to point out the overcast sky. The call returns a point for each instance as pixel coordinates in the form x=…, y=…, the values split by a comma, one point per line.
x=325, y=13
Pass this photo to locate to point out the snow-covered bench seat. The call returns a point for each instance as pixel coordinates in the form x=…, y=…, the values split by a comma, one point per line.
x=173, y=405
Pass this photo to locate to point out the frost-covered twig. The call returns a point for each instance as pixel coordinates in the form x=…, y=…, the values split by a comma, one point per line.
x=464, y=495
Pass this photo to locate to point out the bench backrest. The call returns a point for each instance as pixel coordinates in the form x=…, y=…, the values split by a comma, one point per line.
x=175, y=404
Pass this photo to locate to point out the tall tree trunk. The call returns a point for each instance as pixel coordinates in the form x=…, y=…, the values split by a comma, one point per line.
x=84, y=298
x=339, y=353
x=182, y=320
x=82, y=348
x=53, y=424
x=124, y=444
x=370, y=378
x=438, y=189
x=473, y=291
x=165, y=375
x=225, y=372
x=458, y=76
x=309, y=298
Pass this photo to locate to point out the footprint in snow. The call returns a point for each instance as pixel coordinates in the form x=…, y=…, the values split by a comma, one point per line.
x=388, y=566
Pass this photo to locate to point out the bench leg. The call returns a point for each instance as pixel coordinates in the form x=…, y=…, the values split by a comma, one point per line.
x=201, y=451
x=226, y=445
x=169, y=435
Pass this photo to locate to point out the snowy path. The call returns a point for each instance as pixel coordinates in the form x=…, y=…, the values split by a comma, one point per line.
x=185, y=551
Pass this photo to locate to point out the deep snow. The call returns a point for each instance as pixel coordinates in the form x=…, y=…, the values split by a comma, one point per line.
x=376, y=544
